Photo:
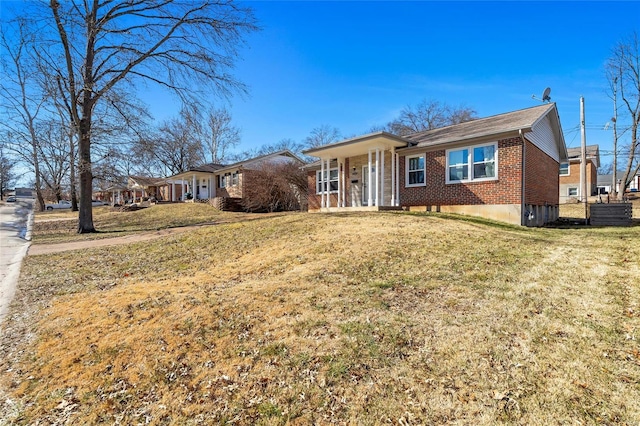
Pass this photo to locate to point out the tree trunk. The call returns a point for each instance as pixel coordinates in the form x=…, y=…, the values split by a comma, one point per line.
x=72, y=174
x=85, y=215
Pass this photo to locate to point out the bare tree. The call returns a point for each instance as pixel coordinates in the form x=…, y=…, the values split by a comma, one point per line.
x=7, y=175
x=174, y=148
x=623, y=73
x=284, y=144
x=172, y=43
x=427, y=115
x=322, y=135
x=53, y=155
x=220, y=135
x=23, y=97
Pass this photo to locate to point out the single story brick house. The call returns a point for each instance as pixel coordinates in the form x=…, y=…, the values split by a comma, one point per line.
x=503, y=167
x=570, y=171
x=222, y=185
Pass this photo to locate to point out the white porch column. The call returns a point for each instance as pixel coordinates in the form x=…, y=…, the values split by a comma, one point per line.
x=184, y=189
x=377, y=177
x=328, y=197
x=393, y=176
x=319, y=184
x=344, y=184
x=173, y=191
x=194, y=189
x=370, y=179
x=382, y=179
x=340, y=189
x=397, y=190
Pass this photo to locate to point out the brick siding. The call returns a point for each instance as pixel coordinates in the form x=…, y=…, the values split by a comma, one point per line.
x=505, y=190
x=541, y=177
x=573, y=178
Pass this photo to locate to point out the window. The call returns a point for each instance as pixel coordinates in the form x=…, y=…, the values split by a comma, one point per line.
x=472, y=163
x=229, y=179
x=564, y=169
x=572, y=192
x=415, y=170
x=321, y=182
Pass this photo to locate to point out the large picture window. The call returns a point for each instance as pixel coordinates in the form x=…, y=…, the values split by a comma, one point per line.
x=472, y=163
x=415, y=170
x=321, y=181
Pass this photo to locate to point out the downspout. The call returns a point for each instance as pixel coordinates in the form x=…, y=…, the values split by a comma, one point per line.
x=522, y=190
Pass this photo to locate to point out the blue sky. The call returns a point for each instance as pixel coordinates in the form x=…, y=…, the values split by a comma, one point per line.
x=353, y=65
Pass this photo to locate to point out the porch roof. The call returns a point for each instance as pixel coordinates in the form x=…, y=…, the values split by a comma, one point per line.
x=358, y=146
x=204, y=169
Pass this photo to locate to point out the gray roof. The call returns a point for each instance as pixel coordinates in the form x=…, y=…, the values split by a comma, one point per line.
x=498, y=124
x=147, y=180
x=592, y=151
x=209, y=167
x=245, y=163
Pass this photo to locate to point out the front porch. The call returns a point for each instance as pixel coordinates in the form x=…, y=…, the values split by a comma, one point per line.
x=359, y=174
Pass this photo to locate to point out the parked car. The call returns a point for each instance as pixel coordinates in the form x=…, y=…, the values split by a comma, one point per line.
x=11, y=199
x=62, y=204
x=96, y=203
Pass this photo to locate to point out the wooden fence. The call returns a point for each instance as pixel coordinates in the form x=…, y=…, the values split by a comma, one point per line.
x=613, y=214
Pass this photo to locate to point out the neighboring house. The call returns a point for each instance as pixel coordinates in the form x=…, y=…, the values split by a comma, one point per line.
x=571, y=170
x=215, y=182
x=197, y=183
x=503, y=167
x=144, y=187
x=116, y=194
x=25, y=192
x=605, y=183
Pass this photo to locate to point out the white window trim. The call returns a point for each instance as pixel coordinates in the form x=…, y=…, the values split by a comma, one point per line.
x=318, y=180
x=568, y=169
x=469, y=149
x=577, y=194
x=235, y=176
x=424, y=171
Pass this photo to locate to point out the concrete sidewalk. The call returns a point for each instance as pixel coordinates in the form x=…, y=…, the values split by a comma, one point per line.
x=16, y=221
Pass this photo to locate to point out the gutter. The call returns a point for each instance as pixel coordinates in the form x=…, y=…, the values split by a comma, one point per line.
x=522, y=190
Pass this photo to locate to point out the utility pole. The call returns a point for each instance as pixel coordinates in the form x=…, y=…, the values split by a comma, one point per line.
x=614, y=184
x=583, y=160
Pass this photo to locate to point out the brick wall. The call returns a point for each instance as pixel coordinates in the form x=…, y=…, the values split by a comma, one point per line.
x=573, y=178
x=314, y=199
x=505, y=190
x=541, y=177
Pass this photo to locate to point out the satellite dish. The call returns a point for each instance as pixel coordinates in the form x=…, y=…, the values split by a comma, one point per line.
x=545, y=95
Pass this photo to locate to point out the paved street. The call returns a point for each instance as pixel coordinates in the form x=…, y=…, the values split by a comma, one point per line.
x=14, y=243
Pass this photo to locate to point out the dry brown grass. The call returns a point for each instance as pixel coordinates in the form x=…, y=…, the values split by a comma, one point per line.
x=333, y=319
x=61, y=226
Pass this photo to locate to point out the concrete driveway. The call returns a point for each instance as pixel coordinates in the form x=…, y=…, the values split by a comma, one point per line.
x=15, y=234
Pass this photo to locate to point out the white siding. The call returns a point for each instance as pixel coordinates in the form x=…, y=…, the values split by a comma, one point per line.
x=542, y=137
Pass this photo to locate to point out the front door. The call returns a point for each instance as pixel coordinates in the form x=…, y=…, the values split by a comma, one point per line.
x=365, y=185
